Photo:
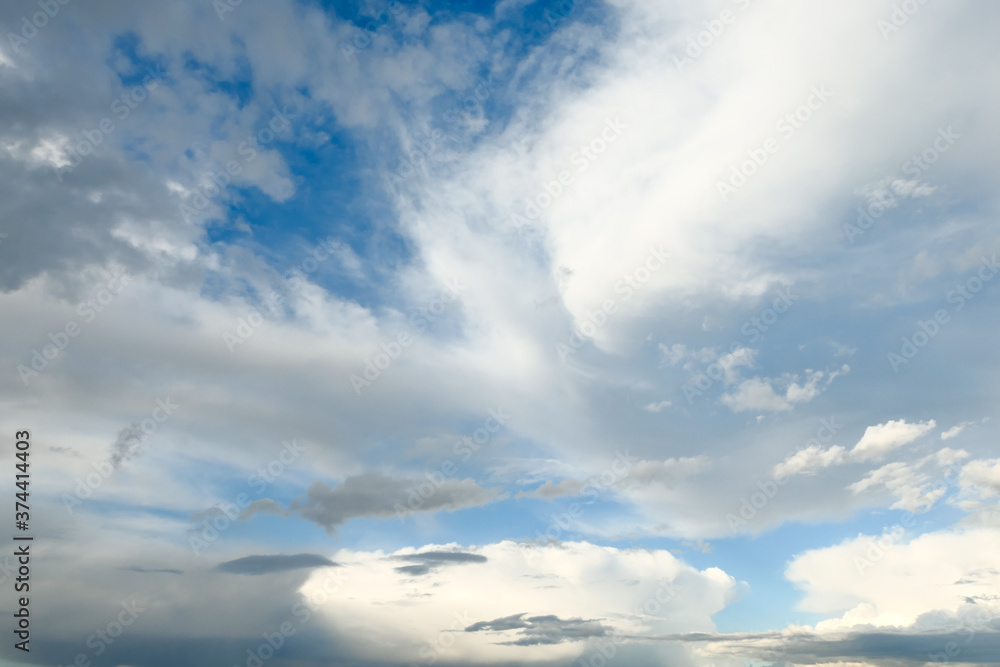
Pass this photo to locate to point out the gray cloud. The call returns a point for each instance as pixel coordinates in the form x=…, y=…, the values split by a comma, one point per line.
x=536, y=630
x=278, y=563
x=906, y=647
x=127, y=445
x=143, y=570
x=373, y=494
x=429, y=561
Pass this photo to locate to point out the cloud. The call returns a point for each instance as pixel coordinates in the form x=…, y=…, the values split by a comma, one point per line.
x=881, y=439
x=874, y=445
x=550, y=490
x=279, y=563
x=656, y=408
x=809, y=460
x=537, y=630
x=127, y=445
x=428, y=561
x=911, y=488
x=530, y=602
x=759, y=393
x=955, y=430
x=374, y=494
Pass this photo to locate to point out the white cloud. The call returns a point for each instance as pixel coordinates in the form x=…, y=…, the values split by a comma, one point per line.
x=910, y=487
x=759, y=393
x=881, y=439
x=397, y=615
x=955, y=430
x=891, y=580
x=809, y=460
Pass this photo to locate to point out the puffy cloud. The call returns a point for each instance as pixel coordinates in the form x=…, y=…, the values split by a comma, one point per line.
x=522, y=603
x=881, y=439
x=809, y=460
x=760, y=394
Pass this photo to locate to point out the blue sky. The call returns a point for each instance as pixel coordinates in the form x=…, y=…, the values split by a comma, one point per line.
x=510, y=333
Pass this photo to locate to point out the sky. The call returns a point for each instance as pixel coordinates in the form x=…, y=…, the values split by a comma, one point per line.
x=542, y=333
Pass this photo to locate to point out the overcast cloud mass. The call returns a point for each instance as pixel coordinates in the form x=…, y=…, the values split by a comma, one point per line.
x=530, y=332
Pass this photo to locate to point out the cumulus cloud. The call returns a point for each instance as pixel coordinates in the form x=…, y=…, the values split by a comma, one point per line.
x=760, y=394
x=881, y=439
x=513, y=607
